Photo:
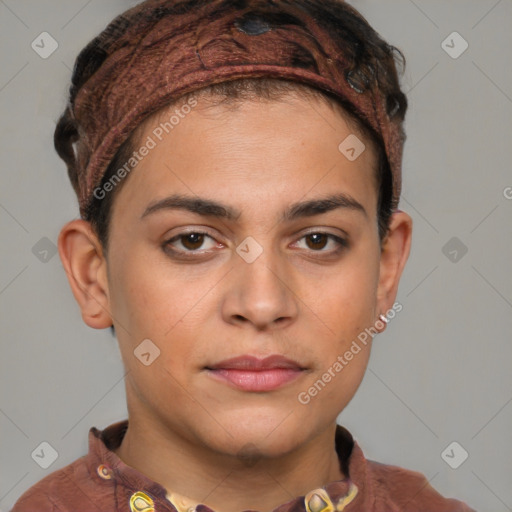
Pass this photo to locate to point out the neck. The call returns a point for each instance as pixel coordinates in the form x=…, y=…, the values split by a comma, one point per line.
x=226, y=483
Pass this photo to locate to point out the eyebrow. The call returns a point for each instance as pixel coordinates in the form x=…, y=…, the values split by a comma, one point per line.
x=210, y=208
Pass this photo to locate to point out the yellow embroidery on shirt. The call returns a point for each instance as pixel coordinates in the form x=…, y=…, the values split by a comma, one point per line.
x=318, y=501
x=141, y=502
x=315, y=501
x=343, y=502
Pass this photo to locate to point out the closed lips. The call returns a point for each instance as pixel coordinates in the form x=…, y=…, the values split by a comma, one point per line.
x=251, y=374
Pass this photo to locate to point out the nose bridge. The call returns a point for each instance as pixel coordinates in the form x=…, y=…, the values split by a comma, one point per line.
x=260, y=289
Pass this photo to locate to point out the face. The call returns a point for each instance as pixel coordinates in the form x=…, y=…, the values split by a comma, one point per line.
x=261, y=273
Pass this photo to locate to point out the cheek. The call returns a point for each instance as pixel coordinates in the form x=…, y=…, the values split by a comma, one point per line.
x=143, y=299
x=348, y=298
x=345, y=310
x=152, y=300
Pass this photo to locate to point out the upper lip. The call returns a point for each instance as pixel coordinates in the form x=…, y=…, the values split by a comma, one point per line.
x=253, y=363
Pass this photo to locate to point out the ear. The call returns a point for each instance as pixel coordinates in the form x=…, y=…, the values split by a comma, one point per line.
x=86, y=267
x=394, y=253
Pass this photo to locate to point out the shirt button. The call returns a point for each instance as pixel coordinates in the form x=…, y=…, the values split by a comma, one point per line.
x=141, y=502
x=104, y=472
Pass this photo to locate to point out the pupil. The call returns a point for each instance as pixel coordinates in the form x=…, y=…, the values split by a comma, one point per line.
x=316, y=239
x=196, y=240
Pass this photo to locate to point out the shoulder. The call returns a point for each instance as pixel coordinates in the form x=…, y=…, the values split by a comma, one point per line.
x=59, y=491
x=389, y=488
x=409, y=490
x=45, y=495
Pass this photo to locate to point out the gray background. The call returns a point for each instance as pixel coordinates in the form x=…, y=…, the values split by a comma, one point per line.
x=441, y=371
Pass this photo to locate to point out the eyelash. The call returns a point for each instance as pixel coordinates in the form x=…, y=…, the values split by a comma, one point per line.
x=342, y=244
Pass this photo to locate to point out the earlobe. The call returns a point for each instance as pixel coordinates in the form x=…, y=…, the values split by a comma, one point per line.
x=85, y=265
x=395, y=252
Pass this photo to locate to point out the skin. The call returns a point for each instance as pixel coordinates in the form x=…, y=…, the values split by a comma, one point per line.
x=304, y=298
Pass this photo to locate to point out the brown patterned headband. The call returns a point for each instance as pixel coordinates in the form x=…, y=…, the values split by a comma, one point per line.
x=160, y=50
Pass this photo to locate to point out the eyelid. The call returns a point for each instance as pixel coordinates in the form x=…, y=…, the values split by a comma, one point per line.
x=199, y=231
x=325, y=231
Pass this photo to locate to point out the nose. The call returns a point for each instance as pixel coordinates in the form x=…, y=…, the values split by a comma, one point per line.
x=261, y=292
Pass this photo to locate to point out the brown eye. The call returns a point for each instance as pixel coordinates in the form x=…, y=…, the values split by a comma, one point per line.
x=189, y=242
x=318, y=240
x=192, y=241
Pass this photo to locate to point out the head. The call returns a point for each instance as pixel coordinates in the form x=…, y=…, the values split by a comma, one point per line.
x=249, y=257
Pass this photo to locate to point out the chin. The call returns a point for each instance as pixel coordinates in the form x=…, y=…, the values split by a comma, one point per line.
x=250, y=436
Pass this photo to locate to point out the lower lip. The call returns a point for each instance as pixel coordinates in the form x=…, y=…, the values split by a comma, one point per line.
x=257, y=380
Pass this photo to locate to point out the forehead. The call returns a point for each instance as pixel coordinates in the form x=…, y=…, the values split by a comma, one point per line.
x=252, y=150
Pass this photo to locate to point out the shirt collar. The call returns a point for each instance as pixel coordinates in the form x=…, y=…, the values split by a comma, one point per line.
x=103, y=463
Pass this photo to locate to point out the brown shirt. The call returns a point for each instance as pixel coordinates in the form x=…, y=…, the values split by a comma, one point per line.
x=101, y=481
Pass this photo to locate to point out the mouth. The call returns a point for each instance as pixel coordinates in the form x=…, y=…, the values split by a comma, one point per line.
x=249, y=373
